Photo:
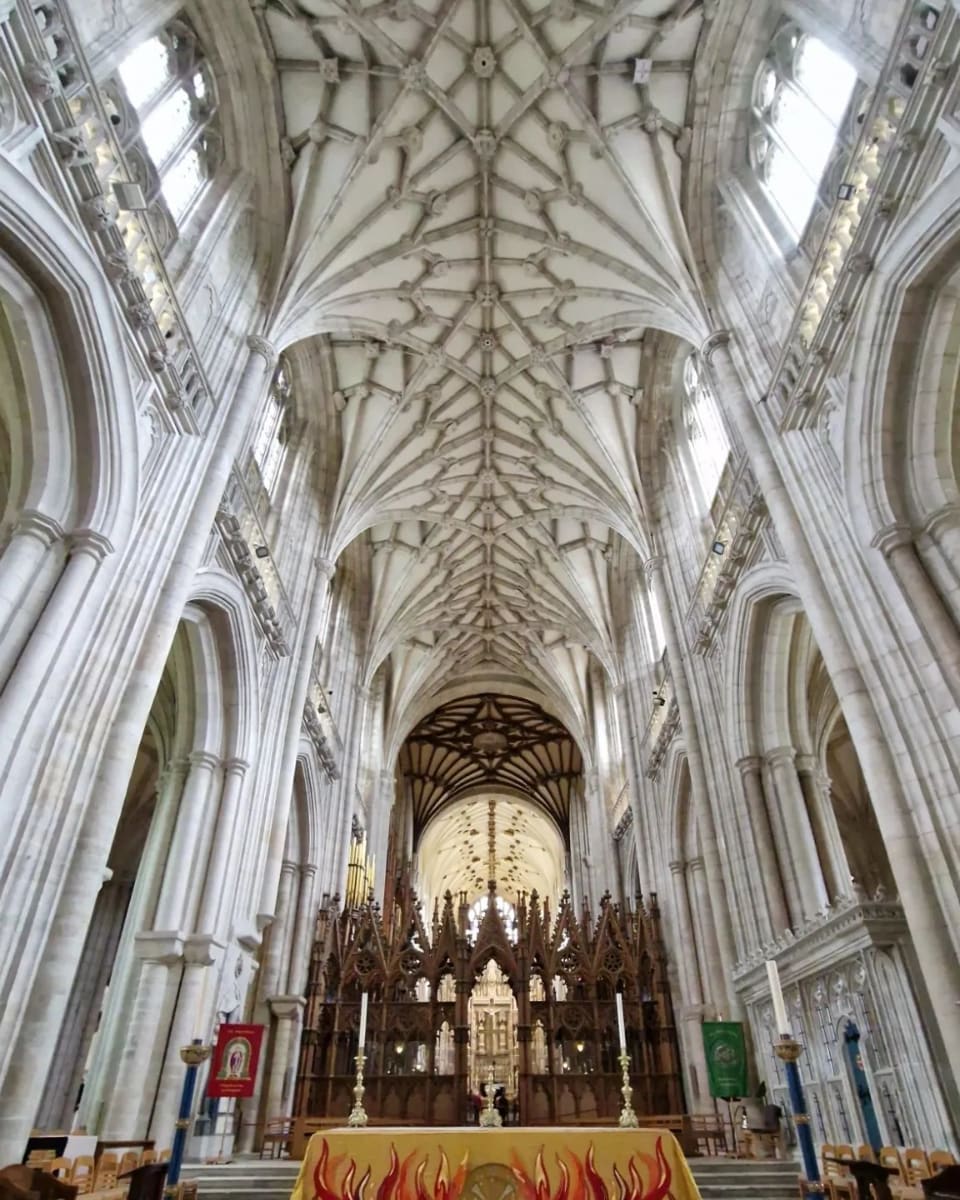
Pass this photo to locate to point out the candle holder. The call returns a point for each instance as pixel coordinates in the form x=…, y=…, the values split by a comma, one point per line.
x=787, y=1049
x=358, y=1114
x=628, y=1118
x=489, y=1117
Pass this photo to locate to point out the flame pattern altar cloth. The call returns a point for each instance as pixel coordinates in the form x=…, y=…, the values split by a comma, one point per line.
x=576, y=1163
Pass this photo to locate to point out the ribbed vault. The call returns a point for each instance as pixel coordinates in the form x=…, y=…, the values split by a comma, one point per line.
x=490, y=743
x=486, y=229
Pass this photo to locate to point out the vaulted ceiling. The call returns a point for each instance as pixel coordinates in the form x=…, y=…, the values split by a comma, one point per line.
x=486, y=228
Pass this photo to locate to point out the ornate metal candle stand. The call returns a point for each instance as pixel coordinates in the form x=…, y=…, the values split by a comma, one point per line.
x=628, y=1118
x=358, y=1114
x=194, y=1056
x=788, y=1051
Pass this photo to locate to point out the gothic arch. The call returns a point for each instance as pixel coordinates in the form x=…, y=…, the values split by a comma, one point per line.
x=80, y=427
x=902, y=389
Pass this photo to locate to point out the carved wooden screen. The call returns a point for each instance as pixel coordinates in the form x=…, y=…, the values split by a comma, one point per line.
x=564, y=971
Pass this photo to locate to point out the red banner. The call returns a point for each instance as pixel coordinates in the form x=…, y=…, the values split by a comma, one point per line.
x=233, y=1071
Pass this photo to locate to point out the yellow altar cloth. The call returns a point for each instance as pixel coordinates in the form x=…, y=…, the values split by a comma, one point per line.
x=577, y=1163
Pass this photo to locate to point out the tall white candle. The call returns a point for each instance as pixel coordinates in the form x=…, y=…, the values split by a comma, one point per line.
x=621, y=1026
x=776, y=995
x=363, y=1022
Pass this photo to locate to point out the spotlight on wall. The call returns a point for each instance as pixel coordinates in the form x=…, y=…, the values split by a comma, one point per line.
x=129, y=196
x=718, y=547
x=845, y=191
x=262, y=551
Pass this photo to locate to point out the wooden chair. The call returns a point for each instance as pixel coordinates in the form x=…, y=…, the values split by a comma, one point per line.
x=82, y=1175
x=108, y=1167
x=147, y=1157
x=915, y=1167
x=59, y=1168
x=128, y=1160
x=940, y=1160
x=889, y=1157
x=164, y=1154
x=276, y=1136
x=25, y=1182
x=841, y=1184
x=865, y=1153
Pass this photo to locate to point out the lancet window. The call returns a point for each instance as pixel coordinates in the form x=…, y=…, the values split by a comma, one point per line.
x=802, y=126
x=164, y=105
x=272, y=439
x=704, y=437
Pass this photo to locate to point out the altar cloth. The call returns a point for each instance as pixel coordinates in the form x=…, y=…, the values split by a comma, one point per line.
x=578, y=1163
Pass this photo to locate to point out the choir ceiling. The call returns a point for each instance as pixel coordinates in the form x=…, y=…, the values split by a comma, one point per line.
x=486, y=230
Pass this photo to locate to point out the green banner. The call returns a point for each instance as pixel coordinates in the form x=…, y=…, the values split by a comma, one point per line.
x=726, y=1052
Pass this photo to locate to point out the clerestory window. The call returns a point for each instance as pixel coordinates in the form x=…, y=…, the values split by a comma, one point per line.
x=704, y=436
x=164, y=105
x=272, y=439
x=801, y=99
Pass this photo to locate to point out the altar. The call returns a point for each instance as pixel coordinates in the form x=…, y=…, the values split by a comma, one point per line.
x=582, y=1163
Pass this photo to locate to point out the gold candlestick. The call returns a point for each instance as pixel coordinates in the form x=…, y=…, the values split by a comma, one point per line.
x=358, y=1114
x=628, y=1118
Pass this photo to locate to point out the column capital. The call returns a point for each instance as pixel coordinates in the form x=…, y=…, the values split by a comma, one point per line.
x=749, y=764
x=267, y=351
x=289, y=867
x=652, y=565
x=32, y=522
x=308, y=870
x=326, y=567
x=808, y=764
x=89, y=541
x=677, y=866
x=780, y=756
x=892, y=537
x=158, y=946
x=286, y=1008
x=695, y=864
x=236, y=766
x=198, y=950
x=203, y=758
x=718, y=340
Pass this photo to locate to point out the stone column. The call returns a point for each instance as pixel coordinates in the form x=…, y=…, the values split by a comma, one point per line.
x=909, y=853
x=58, y=958
x=175, y=898
x=934, y=622
x=66, y=1074
x=274, y=972
x=705, y=923
x=188, y=1022
x=26, y=580
x=721, y=970
x=287, y=1012
x=770, y=882
x=801, y=847
x=303, y=930
x=379, y=834
x=690, y=1008
x=138, y=1067
x=823, y=823
x=219, y=887
x=312, y=630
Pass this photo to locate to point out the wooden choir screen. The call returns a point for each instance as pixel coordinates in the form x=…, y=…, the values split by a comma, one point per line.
x=564, y=972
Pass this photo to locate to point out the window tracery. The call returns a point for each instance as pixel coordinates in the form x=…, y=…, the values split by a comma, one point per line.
x=703, y=433
x=801, y=129
x=272, y=438
x=163, y=103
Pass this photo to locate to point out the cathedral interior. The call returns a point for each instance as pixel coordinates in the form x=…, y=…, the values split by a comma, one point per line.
x=479, y=533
